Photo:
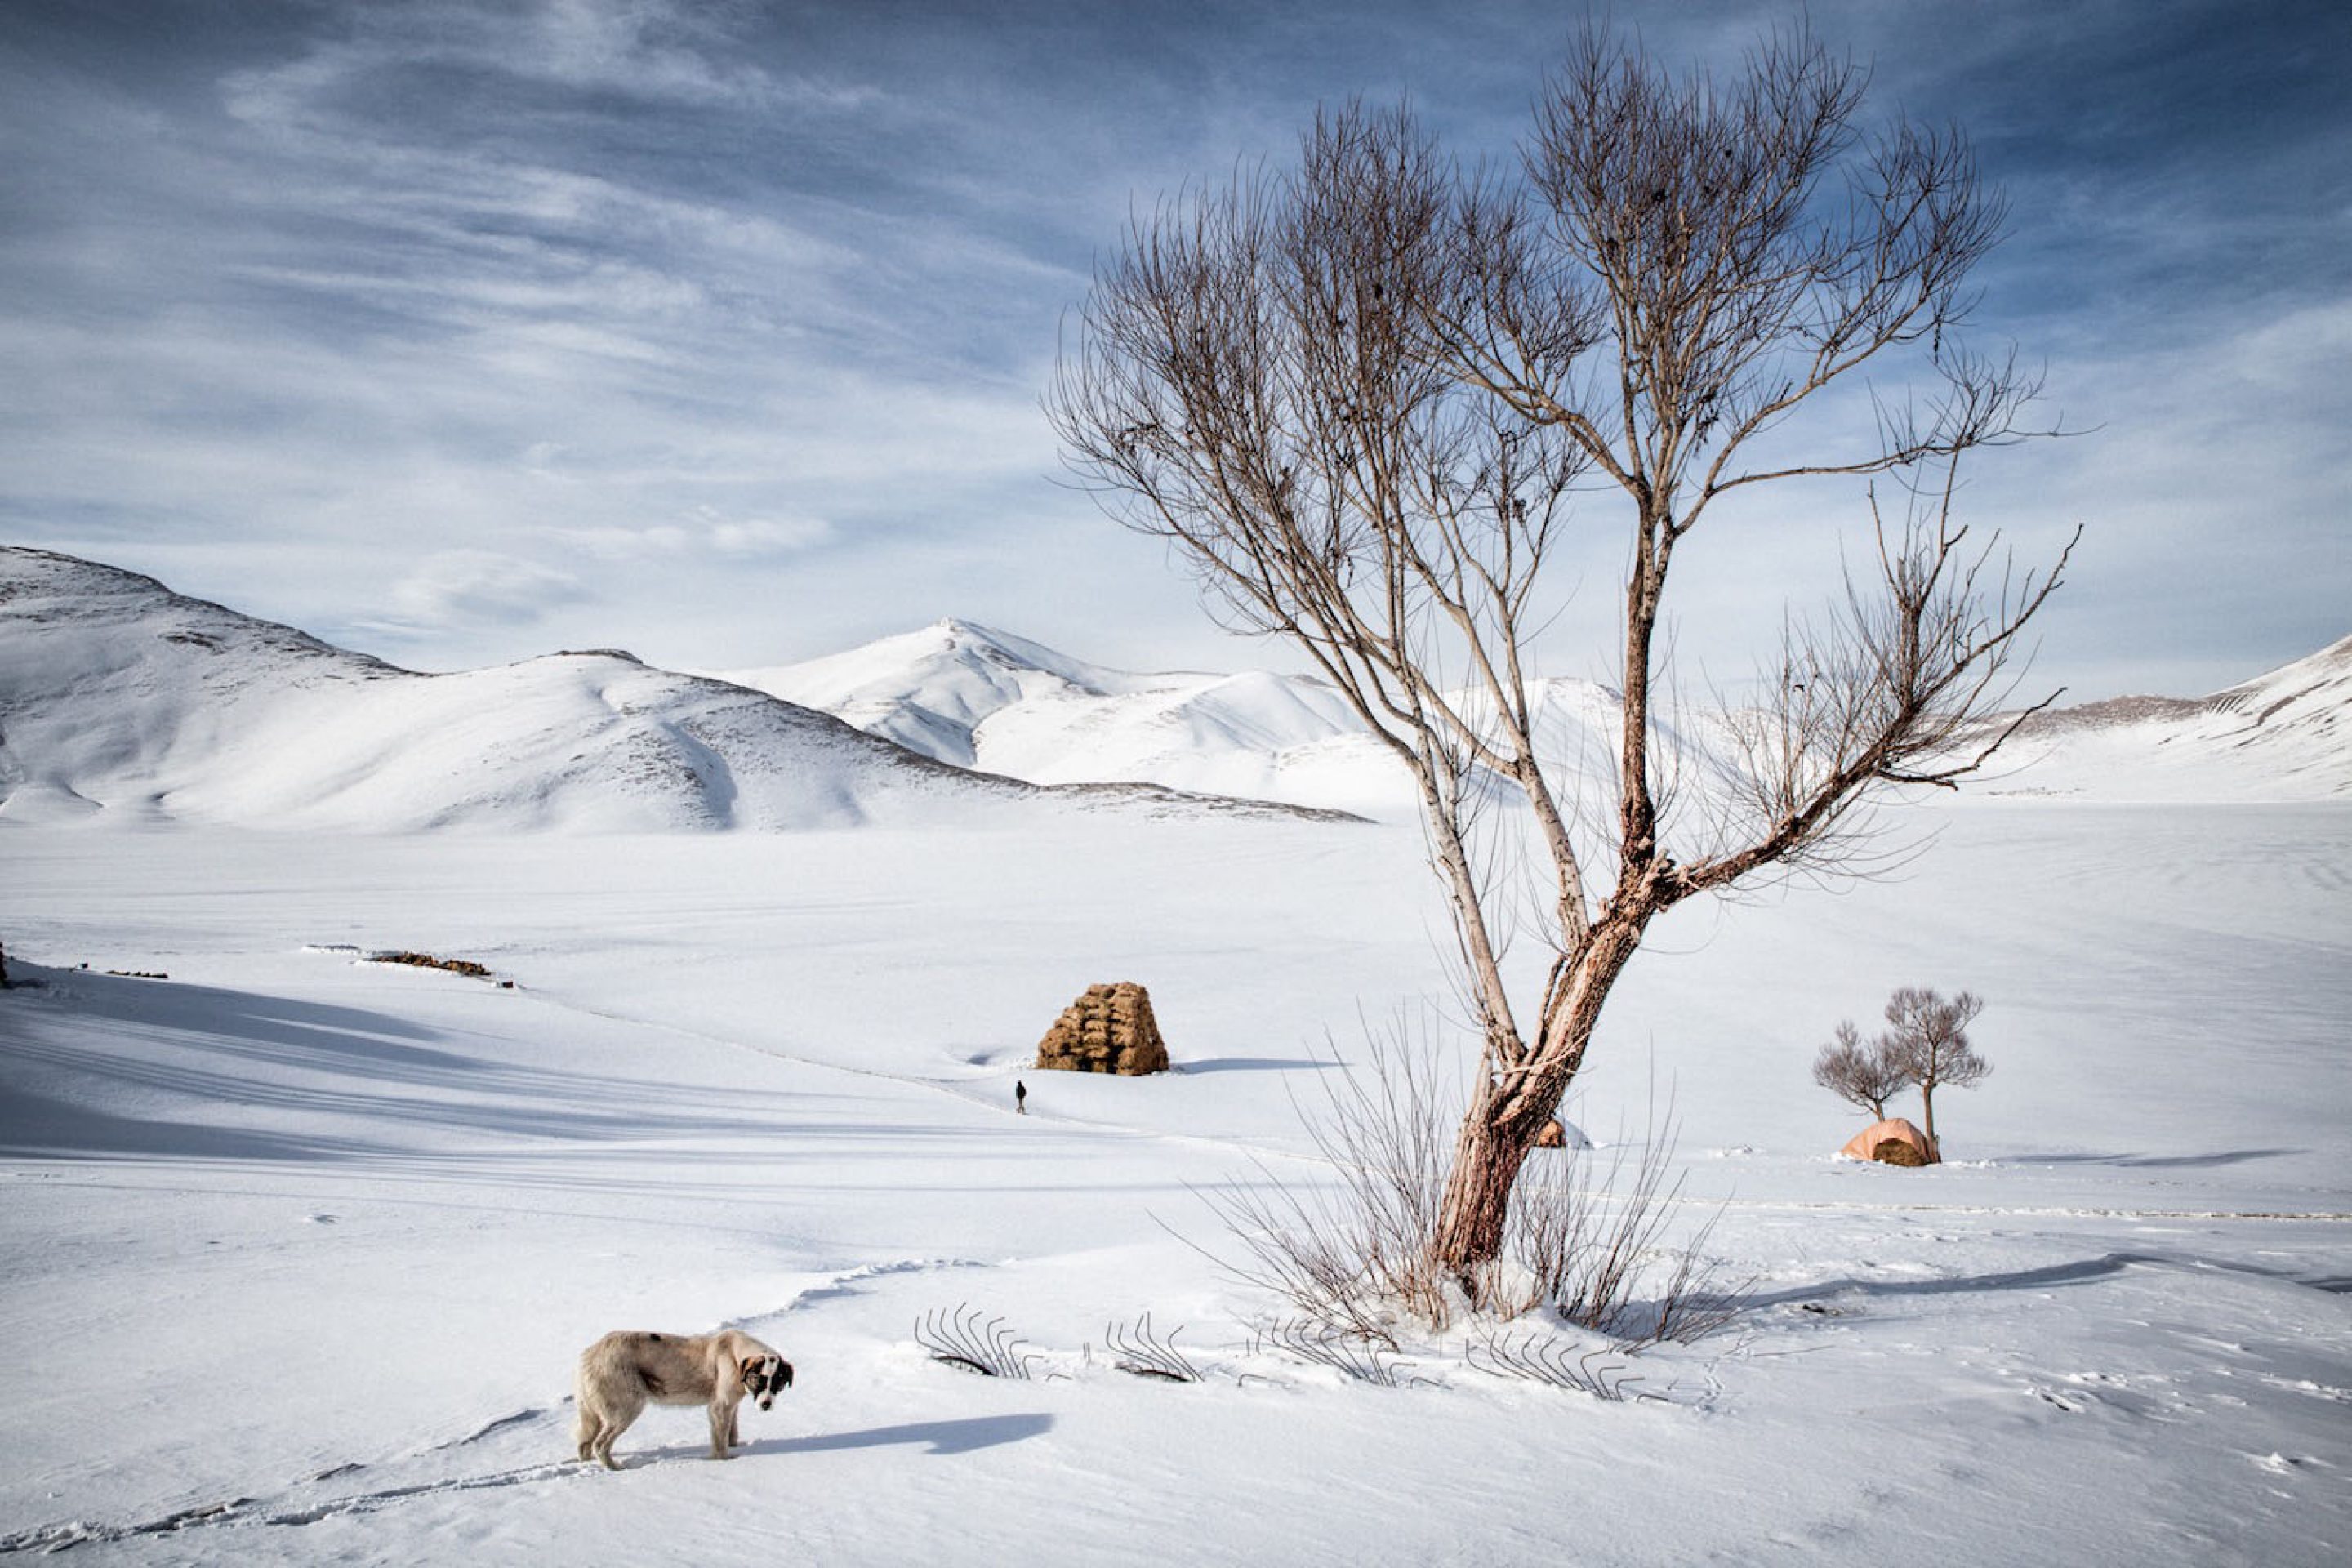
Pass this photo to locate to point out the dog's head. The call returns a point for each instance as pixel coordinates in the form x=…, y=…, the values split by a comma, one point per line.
x=765, y=1376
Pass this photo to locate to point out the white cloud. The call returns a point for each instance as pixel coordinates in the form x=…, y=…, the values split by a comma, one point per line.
x=766, y=536
x=463, y=588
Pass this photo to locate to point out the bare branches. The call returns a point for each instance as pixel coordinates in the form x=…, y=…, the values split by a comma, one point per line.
x=1533, y=1356
x=1364, y=1361
x=1925, y=1043
x=1347, y=1257
x=1862, y=1075
x=1356, y=396
x=1256, y=384
x=1597, y=1251
x=961, y=1339
x=1139, y=1350
x=1895, y=684
x=1930, y=1037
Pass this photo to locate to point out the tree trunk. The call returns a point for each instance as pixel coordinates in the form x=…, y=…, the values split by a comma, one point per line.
x=1508, y=1118
x=1928, y=1113
x=1487, y=1154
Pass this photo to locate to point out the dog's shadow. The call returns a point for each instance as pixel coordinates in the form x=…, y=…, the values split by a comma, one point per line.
x=942, y=1437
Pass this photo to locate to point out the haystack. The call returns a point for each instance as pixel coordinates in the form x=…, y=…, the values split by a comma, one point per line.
x=1893, y=1142
x=1108, y=1029
x=1559, y=1134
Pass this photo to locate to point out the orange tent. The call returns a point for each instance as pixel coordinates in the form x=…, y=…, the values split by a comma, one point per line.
x=1893, y=1141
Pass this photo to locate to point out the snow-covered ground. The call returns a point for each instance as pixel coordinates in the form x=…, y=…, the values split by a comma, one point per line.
x=299, y=1250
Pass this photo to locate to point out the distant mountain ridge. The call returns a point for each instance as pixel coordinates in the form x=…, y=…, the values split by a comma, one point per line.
x=121, y=697
x=977, y=697
x=931, y=689
x=974, y=696
x=2286, y=734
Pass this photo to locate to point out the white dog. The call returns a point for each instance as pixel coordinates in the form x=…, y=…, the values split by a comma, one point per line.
x=625, y=1370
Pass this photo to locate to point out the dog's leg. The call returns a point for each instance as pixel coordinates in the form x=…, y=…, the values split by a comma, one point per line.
x=617, y=1419
x=722, y=1424
x=584, y=1428
x=734, y=1433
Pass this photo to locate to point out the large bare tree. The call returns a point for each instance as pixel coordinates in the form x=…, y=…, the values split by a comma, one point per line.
x=1367, y=398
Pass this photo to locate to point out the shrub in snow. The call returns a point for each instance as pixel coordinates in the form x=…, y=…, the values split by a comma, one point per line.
x=1138, y=1351
x=466, y=967
x=1359, y=1257
x=959, y=1338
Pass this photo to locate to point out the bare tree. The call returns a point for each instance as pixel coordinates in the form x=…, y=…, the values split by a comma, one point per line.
x=1355, y=396
x=1928, y=1037
x=1861, y=1074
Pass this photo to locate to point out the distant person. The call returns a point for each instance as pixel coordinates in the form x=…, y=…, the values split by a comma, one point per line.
x=1019, y=1098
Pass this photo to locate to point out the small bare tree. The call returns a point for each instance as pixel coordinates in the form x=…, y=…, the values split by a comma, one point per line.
x=1862, y=1074
x=1355, y=397
x=1928, y=1038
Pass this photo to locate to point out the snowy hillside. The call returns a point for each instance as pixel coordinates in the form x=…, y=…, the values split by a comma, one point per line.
x=975, y=697
x=119, y=696
x=931, y=689
x=2285, y=735
x=980, y=698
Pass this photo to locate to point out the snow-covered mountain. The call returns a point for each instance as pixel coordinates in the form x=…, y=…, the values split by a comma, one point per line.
x=977, y=697
x=932, y=689
x=118, y=695
x=2284, y=735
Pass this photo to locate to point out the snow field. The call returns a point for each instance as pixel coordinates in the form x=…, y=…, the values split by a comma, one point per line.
x=340, y=1227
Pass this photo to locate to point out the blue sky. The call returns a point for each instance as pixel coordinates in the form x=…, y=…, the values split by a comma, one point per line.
x=460, y=333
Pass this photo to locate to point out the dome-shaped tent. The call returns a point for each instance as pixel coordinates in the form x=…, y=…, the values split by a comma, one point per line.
x=1893, y=1142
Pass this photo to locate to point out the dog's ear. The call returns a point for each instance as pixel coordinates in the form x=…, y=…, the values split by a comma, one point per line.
x=746, y=1367
x=783, y=1372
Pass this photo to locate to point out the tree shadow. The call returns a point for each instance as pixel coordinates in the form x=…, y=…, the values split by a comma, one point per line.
x=2154, y=1162
x=1254, y=1064
x=2080, y=1272
x=2056, y=1274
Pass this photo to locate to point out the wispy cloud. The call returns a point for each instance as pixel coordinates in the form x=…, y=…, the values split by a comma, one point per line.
x=720, y=327
x=461, y=588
